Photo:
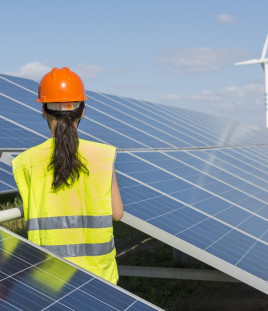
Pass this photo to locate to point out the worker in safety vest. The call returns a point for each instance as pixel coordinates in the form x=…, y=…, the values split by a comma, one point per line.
x=68, y=185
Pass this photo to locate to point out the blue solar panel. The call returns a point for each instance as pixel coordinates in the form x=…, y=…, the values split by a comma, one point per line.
x=180, y=127
x=33, y=279
x=177, y=181
x=144, y=121
x=174, y=197
x=23, y=82
x=16, y=136
x=139, y=123
x=7, y=182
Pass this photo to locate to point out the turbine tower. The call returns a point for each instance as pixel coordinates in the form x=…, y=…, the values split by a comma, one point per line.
x=264, y=62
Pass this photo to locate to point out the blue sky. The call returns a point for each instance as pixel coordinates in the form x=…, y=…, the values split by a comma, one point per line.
x=171, y=52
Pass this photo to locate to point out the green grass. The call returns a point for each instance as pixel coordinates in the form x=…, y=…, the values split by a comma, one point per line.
x=9, y=201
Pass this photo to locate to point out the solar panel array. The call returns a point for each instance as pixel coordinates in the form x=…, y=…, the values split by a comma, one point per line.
x=195, y=182
x=33, y=279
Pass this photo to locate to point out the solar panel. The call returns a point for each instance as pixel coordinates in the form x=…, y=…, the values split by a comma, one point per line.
x=7, y=182
x=33, y=279
x=195, y=182
x=128, y=123
x=193, y=206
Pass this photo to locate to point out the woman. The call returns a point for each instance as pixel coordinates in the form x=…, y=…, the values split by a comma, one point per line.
x=68, y=185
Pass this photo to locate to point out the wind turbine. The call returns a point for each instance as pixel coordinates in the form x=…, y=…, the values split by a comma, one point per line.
x=264, y=62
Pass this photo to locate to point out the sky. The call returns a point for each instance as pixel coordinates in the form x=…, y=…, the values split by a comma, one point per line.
x=178, y=53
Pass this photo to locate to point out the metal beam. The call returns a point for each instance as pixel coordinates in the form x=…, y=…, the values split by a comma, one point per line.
x=11, y=214
x=175, y=273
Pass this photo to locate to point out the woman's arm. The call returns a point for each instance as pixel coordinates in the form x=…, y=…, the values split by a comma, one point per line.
x=117, y=204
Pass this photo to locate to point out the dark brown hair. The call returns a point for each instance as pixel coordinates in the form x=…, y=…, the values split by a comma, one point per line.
x=66, y=160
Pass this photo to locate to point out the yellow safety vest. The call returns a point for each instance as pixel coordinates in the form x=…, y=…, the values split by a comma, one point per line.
x=74, y=222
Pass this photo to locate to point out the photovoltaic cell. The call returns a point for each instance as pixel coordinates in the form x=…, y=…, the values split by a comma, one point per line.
x=196, y=182
x=193, y=206
x=33, y=279
x=145, y=124
x=7, y=183
x=15, y=136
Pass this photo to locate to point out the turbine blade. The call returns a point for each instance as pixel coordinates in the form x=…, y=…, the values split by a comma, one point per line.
x=264, y=51
x=249, y=62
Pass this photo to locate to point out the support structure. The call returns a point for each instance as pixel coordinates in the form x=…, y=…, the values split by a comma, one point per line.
x=175, y=273
x=11, y=214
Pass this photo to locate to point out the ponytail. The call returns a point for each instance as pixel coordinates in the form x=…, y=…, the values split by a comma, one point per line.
x=66, y=160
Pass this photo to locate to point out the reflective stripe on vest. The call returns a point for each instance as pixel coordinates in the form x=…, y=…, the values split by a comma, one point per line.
x=71, y=250
x=66, y=222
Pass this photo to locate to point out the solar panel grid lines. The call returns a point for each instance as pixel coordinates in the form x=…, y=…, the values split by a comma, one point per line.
x=18, y=85
x=217, y=126
x=226, y=135
x=6, y=187
x=251, y=167
x=7, y=183
x=21, y=103
x=23, y=114
x=192, y=207
x=18, y=93
x=259, y=158
x=194, y=251
x=13, y=136
x=120, y=134
x=223, y=181
x=38, y=111
x=134, y=119
x=165, y=143
x=260, y=166
x=182, y=126
x=92, y=136
x=244, y=222
x=247, y=252
x=198, y=119
x=207, y=188
x=32, y=278
x=224, y=169
x=23, y=127
x=178, y=177
x=225, y=174
x=254, y=158
x=256, y=153
x=28, y=81
x=235, y=165
x=5, y=171
x=149, y=117
x=199, y=116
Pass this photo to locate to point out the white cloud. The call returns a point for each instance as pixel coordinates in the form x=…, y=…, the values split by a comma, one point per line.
x=244, y=104
x=37, y=70
x=226, y=19
x=233, y=93
x=205, y=96
x=247, y=91
x=87, y=71
x=197, y=59
x=171, y=98
x=34, y=71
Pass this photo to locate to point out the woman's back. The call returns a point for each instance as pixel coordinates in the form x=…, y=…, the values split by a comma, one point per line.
x=68, y=186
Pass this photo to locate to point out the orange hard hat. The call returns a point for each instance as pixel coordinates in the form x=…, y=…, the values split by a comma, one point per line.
x=61, y=85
